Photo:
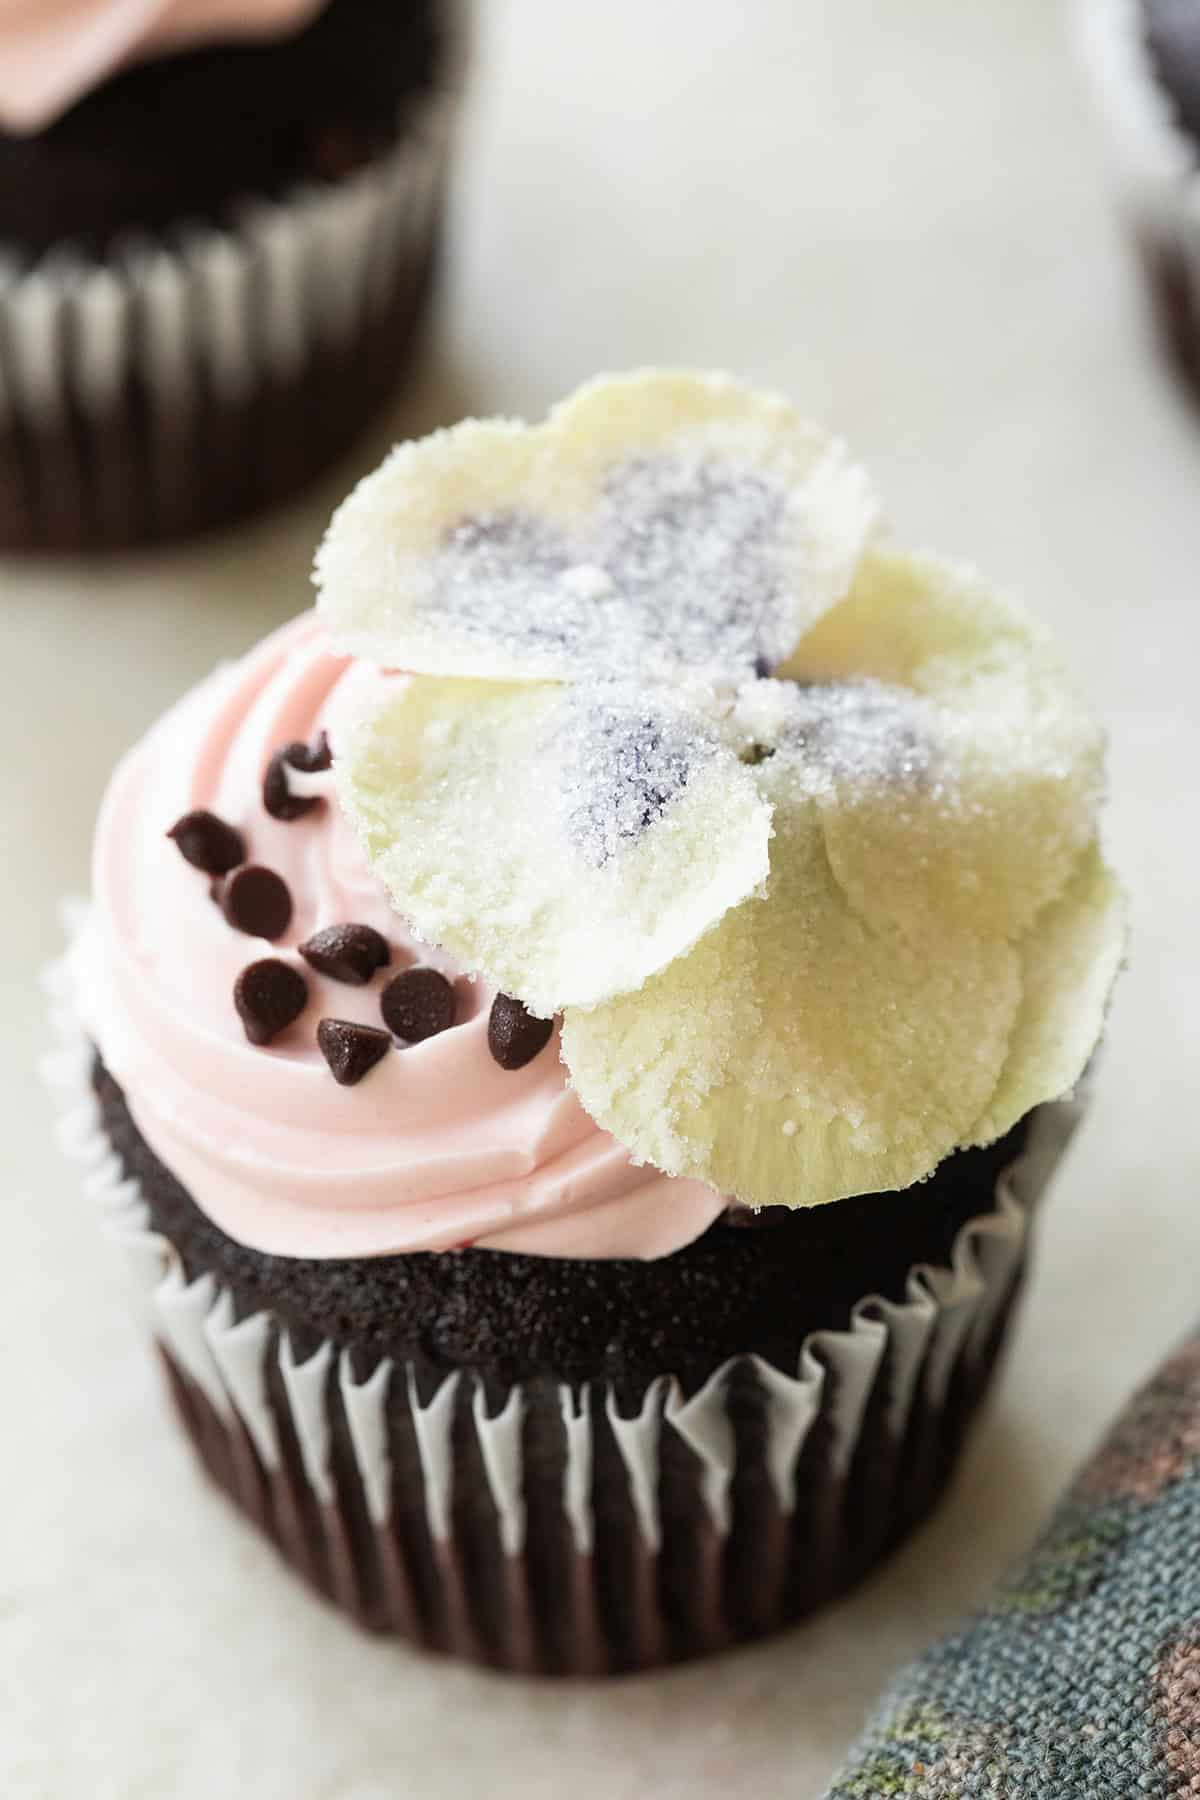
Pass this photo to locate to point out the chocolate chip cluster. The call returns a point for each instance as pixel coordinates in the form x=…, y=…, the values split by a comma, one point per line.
x=270, y=995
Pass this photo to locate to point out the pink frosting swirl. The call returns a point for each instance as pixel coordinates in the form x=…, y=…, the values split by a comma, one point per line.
x=438, y=1146
x=53, y=51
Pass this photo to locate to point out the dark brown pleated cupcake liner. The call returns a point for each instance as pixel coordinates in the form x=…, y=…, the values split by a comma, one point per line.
x=184, y=383
x=615, y=1603
x=553, y=1533
x=1155, y=169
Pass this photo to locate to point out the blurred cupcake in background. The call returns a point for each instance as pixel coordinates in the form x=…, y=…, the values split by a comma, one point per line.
x=1144, y=58
x=217, y=224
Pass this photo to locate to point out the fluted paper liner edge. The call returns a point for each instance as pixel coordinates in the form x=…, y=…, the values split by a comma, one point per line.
x=946, y=1313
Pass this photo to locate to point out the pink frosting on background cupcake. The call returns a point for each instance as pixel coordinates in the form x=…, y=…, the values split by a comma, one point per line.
x=53, y=51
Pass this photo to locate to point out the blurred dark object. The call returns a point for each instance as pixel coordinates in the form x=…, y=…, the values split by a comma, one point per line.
x=211, y=271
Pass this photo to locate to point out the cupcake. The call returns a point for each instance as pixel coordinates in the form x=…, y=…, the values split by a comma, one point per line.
x=577, y=1106
x=216, y=230
x=1144, y=59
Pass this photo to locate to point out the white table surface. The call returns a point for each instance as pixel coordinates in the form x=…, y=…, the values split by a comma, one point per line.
x=892, y=210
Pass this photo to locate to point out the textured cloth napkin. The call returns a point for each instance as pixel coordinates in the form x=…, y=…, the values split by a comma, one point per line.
x=1081, y=1679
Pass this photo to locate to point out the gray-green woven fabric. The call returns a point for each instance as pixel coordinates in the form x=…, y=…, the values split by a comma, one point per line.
x=1081, y=1680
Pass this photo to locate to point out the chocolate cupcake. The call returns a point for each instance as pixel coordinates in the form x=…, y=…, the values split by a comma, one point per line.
x=1144, y=59
x=578, y=1107
x=217, y=225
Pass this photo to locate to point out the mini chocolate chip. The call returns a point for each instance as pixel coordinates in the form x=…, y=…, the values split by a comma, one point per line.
x=256, y=900
x=418, y=1004
x=306, y=759
x=514, y=1035
x=347, y=953
x=208, y=843
x=311, y=759
x=279, y=801
x=269, y=995
x=351, y=1050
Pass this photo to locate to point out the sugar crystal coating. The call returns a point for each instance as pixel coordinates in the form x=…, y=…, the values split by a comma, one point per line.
x=694, y=545
x=502, y=574
x=794, y=1011
x=1012, y=793
x=621, y=764
x=855, y=736
x=934, y=930
x=498, y=817
x=654, y=521
x=1068, y=967
x=681, y=560
x=795, y=831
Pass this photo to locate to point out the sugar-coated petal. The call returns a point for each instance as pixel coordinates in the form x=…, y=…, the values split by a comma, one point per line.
x=797, y=832
x=1069, y=962
x=568, y=841
x=438, y=563
x=1005, y=763
x=732, y=522
x=798, y=1054
x=654, y=522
